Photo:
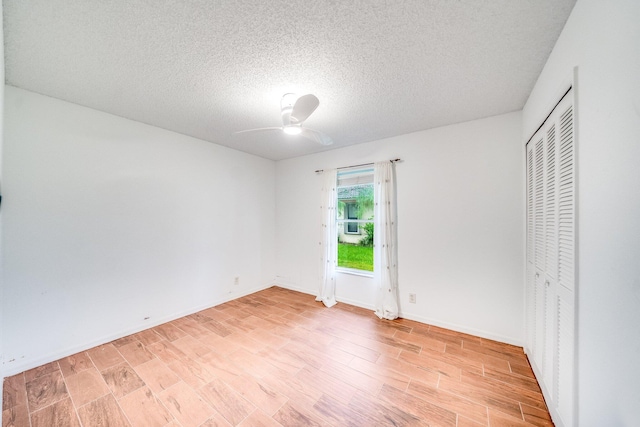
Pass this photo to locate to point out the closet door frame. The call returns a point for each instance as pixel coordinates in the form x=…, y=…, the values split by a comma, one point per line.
x=548, y=376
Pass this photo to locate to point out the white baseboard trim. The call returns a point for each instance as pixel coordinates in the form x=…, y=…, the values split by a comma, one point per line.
x=308, y=292
x=471, y=331
x=291, y=287
x=356, y=303
x=26, y=364
x=429, y=321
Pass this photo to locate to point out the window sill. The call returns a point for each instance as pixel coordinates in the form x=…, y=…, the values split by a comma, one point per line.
x=354, y=272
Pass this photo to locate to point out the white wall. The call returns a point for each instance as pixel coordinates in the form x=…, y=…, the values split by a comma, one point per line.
x=460, y=225
x=1, y=188
x=603, y=40
x=109, y=221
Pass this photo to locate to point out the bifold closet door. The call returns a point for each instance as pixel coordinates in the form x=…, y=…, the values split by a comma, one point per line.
x=550, y=292
x=566, y=291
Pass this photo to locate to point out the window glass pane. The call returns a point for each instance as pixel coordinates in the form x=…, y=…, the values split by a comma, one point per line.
x=352, y=210
x=355, y=219
x=353, y=252
x=355, y=202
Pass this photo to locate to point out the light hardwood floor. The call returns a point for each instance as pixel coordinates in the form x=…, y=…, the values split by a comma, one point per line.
x=276, y=358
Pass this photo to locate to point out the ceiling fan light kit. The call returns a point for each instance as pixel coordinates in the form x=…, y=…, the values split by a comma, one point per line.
x=295, y=110
x=292, y=130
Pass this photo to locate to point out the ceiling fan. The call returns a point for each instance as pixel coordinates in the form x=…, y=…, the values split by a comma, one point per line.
x=294, y=112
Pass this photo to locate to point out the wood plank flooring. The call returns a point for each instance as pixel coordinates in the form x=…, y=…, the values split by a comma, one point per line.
x=278, y=358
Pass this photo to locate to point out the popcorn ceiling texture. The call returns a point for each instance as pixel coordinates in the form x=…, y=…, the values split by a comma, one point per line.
x=210, y=68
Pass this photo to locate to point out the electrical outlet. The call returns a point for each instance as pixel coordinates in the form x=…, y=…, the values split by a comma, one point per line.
x=236, y=280
x=412, y=298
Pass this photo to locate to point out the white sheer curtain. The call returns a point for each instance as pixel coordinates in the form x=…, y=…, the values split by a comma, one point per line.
x=329, y=240
x=385, y=241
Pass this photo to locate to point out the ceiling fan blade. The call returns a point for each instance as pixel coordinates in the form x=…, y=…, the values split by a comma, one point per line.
x=304, y=106
x=316, y=136
x=257, y=130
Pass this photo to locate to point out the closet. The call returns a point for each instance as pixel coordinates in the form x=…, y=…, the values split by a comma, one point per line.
x=551, y=279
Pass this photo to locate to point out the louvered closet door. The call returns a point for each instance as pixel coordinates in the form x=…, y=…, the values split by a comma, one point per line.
x=564, y=357
x=539, y=247
x=549, y=287
x=551, y=258
x=531, y=268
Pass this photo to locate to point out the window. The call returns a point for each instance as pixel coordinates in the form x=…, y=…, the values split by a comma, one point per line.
x=351, y=209
x=355, y=220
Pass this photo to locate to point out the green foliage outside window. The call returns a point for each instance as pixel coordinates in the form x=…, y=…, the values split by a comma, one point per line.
x=356, y=257
x=367, y=240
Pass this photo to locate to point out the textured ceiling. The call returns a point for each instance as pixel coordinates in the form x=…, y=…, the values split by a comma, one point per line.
x=209, y=68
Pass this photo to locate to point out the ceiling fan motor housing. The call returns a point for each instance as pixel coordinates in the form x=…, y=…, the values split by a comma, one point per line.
x=294, y=111
x=286, y=107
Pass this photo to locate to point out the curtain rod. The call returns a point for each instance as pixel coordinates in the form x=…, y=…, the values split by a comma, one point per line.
x=362, y=164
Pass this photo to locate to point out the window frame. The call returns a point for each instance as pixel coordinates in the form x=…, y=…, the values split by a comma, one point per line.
x=342, y=223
